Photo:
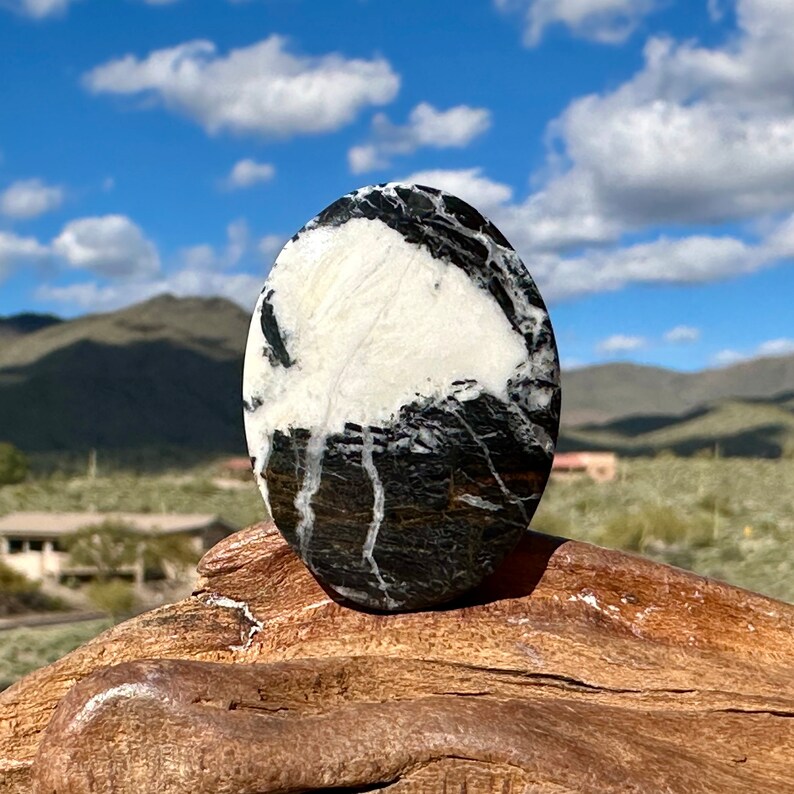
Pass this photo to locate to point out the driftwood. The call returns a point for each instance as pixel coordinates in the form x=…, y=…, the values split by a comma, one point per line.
x=571, y=669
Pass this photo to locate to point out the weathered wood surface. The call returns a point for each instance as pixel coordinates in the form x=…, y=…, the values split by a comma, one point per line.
x=572, y=669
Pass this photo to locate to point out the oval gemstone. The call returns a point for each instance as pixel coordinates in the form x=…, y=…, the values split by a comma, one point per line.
x=401, y=396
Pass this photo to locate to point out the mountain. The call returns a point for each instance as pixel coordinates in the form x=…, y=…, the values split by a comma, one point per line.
x=166, y=374
x=745, y=428
x=600, y=394
x=21, y=324
x=163, y=373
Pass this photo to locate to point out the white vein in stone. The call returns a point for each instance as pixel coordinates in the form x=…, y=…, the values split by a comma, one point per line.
x=312, y=475
x=477, y=501
x=508, y=494
x=378, y=503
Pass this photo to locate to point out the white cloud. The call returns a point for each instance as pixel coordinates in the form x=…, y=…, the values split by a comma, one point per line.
x=727, y=357
x=427, y=126
x=620, y=343
x=261, y=89
x=783, y=346
x=540, y=239
x=715, y=10
x=15, y=250
x=365, y=158
x=202, y=270
x=468, y=184
x=776, y=347
x=270, y=246
x=688, y=260
x=206, y=257
x=604, y=21
x=246, y=173
x=111, y=245
x=698, y=135
x=92, y=296
x=561, y=217
x=29, y=198
x=39, y=9
x=682, y=334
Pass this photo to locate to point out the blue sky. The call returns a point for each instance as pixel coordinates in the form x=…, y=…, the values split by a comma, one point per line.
x=639, y=154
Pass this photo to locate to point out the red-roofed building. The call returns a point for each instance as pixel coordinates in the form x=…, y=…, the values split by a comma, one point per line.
x=599, y=466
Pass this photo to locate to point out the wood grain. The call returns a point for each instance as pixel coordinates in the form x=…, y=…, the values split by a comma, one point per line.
x=571, y=669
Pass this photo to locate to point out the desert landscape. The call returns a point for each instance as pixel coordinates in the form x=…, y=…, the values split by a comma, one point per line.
x=143, y=417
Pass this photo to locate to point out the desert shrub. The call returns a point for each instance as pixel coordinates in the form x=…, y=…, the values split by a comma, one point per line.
x=114, y=597
x=635, y=530
x=716, y=503
x=666, y=455
x=15, y=583
x=18, y=594
x=552, y=523
x=14, y=465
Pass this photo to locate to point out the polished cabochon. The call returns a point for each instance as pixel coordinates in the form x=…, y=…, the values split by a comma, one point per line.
x=401, y=396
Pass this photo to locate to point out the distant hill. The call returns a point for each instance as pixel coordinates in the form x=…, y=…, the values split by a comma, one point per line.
x=21, y=324
x=166, y=374
x=745, y=428
x=596, y=395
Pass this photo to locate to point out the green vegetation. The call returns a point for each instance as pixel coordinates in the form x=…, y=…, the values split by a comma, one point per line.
x=108, y=548
x=730, y=518
x=111, y=547
x=27, y=649
x=18, y=594
x=13, y=465
x=114, y=597
x=193, y=491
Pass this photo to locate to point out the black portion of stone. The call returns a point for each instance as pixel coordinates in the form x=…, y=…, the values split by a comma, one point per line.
x=252, y=405
x=272, y=333
x=431, y=546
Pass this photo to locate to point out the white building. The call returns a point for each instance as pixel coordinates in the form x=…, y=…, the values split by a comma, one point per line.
x=32, y=542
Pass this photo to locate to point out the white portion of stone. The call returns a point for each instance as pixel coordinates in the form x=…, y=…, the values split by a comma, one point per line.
x=372, y=323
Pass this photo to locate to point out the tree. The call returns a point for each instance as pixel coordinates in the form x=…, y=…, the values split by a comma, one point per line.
x=108, y=548
x=14, y=464
x=160, y=551
x=112, y=546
